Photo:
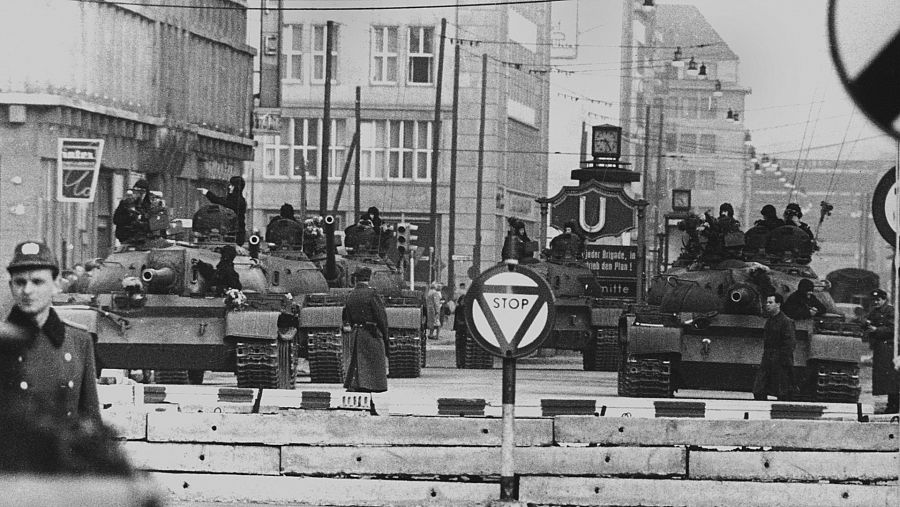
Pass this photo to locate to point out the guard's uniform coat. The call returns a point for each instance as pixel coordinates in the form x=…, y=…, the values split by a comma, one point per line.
x=365, y=346
x=775, y=374
x=881, y=340
x=54, y=368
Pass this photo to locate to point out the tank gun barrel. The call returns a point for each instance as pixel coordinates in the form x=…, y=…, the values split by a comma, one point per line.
x=158, y=280
x=330, y=262
x=743, y=297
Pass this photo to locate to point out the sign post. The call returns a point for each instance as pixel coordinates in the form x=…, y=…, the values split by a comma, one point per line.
x=511, y=313
x=78, y=168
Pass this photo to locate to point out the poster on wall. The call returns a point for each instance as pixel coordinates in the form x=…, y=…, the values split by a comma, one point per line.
x=77, y=169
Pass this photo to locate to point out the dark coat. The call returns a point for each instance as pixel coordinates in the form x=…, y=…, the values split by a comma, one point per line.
x=235, y=202
x=881, y=341
x=366, y=345
x=54, y=368
x=797, y=306
x=566, y=246
x=776, y=376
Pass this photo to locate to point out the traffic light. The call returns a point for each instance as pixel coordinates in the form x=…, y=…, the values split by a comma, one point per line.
x=405, y=237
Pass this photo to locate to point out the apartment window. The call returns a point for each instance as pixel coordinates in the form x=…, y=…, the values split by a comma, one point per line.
x=707, y=143
x=711, y=109
x=687, y=179
x=706, y=180
x=384, y=54
x=687, y=143
x=421, y=54
x=319, y=44
x=300, y=148
x=292, y=54
x=395, y=149
x=671, y=142
x=690, y=107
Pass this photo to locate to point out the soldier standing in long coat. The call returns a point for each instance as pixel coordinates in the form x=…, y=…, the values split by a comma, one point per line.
x=52, y=366
x=776, y=368
x=365, y=344
x=880, y=327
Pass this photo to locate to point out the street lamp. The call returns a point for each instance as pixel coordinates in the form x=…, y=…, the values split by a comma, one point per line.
x=676, y=60
x=718, y=89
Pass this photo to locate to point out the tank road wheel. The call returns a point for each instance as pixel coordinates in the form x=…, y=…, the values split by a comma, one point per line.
x=170, y=377
x=645, y=378
x=474, y=356
x=404, y=356
x=325, y=352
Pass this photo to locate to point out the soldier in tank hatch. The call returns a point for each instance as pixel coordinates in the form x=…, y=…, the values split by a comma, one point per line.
x=568, y=245
x=802, y=304
x=233, y=200
x=792, y=216
x=769, y=218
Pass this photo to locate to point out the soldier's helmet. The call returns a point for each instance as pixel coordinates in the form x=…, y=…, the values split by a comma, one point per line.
x=793, y=209
x=33, y=255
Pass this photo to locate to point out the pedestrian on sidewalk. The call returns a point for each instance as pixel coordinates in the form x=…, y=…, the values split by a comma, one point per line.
x=776, y=375
x=433, y=300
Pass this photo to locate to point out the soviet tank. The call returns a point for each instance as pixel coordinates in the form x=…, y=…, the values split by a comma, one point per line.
x=406, y=354
x=151, y=306
x=585, y=321
x=702, y=326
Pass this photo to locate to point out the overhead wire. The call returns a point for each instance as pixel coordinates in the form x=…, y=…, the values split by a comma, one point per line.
x=169, y=4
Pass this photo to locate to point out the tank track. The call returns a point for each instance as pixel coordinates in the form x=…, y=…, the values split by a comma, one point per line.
x=645, y=378
x=473, y=356
x=836, y=382
x=605, y=351
x=325, y=352
x=266, y=364
x=404, y=354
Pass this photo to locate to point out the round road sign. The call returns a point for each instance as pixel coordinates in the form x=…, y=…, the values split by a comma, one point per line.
x=511, y=310
x=864, y=36
x=884, y=206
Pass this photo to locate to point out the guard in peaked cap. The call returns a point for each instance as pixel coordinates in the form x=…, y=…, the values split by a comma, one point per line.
x=366, y=341
x=879, y=294
x=880, y=332
x=54, y=367
x=33, y=255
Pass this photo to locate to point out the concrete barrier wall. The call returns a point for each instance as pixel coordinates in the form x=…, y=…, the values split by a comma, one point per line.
x=340, y=457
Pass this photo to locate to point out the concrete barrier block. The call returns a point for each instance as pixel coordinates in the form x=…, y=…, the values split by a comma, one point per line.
x=209, y=458
x=602, y=491
x=59, y=491
x=484, y=461
x=313, y=427
x=772, y=466
x=129, y=423
x=322, y=491
x=786, y=434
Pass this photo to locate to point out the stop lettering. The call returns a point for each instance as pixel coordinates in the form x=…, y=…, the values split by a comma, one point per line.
x=511, y=303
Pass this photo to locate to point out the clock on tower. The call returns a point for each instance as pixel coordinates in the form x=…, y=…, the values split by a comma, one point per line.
x=606, y=141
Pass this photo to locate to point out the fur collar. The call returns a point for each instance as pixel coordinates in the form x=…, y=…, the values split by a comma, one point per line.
x=53, y=328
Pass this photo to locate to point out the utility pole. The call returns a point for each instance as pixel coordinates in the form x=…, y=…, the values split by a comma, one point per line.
x=642, y=290
x=358, y=114
x=451, y=238
x=657, y=193
x=326, y=121
x=476, y=250
x=435, y=148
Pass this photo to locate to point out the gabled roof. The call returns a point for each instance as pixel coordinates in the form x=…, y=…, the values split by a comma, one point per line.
x=685, y=26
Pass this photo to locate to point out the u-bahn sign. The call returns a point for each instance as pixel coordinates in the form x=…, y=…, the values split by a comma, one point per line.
x=511, y=311
x=597, y=210
x=864, y=36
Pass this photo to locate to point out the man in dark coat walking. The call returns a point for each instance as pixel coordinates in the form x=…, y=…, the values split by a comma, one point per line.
x=776, y=375
x=52, y=365
x=365, y=344
x=880, y=330
x=234, y=201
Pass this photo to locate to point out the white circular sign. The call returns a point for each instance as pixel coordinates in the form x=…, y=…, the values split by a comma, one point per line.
x=510, y=312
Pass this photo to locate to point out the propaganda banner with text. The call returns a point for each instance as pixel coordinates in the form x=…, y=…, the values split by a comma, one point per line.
x=77, y=169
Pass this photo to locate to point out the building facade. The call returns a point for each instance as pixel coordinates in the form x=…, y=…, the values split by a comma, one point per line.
x=167, y=90
x=392, y=56
x=685, y=76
